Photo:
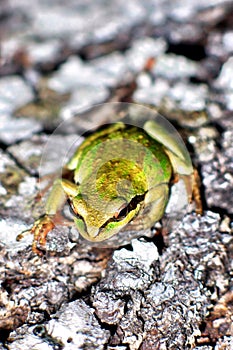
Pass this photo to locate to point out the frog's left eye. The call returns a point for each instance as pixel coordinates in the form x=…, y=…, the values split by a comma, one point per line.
x=125, y=209
x=121, y=212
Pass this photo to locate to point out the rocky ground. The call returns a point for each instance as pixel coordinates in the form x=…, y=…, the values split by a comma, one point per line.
x=163, y=290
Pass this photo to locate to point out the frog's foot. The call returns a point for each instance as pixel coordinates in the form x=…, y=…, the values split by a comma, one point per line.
x=40, y=229
x=193, y=184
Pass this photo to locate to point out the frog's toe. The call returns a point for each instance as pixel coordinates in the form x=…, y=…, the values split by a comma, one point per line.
x=22, y=234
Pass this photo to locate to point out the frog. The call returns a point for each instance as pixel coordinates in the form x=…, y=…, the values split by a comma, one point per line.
x=119, y=177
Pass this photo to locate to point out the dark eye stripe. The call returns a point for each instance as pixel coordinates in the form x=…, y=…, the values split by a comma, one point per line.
x=72, y=210
x=125, y=211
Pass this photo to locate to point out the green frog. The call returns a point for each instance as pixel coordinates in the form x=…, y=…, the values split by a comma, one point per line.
x=119, y=176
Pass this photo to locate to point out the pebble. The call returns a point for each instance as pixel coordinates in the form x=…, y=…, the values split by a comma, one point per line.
x=43, y=52
x=14, y=129
x=227, y=41
x=152, y=94
x=224, y=80
x=217, y=176
x=14, y=93
x=171, y=67
x=74, y=74
x=143, y=49
x=189, y=97
x=220, y=44
x=44, y=154
x=114, y=65
x=67, y=330
x=144, y=254
x=9, y=229
x=49, y=22
x=83, y=99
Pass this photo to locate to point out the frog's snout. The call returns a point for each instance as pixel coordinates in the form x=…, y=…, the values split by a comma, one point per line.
x=92, y=231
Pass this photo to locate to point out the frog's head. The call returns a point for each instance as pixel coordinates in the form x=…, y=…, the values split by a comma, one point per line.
x=108, y=202
x=96, y=225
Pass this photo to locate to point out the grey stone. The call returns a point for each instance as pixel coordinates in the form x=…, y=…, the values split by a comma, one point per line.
x=14, y=93
x=204, y=143
x=109, y=308
x=183, y=95
x=76, y=326
x=9, y=229
x=172, y=66
x=82, y=99
x=43, y=52
x=15, y=129
x=141, y=50
x=114, y=65
x=99, y=22
x=218, y=184
x=43, y=155
x=75, y=73
x=224, y=80
x=143, y=255
x=189, y=97
x=18, y=190
x=227, y=40
x=152, y=94
x=220, y=44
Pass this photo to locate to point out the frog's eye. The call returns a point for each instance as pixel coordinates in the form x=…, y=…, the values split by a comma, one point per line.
x=121, y=212
x=126, y=208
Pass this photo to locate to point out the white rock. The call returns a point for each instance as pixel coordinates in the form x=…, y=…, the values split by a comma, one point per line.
x=143, y=49
x=14, y=129
x=14, y=93
x=190, y=97
x=174, y=67
x=224, y=79
x=144, y=254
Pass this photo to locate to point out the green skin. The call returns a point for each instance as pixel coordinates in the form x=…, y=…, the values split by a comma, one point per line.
x=121, y=176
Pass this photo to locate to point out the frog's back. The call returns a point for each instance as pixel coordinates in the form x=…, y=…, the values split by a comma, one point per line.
x=121, y=141
x=162, y=161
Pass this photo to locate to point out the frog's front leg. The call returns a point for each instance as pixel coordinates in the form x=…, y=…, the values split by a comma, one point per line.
x=61, y=189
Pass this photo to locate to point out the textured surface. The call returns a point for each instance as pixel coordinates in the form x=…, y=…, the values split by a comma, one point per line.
x=163, y=290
